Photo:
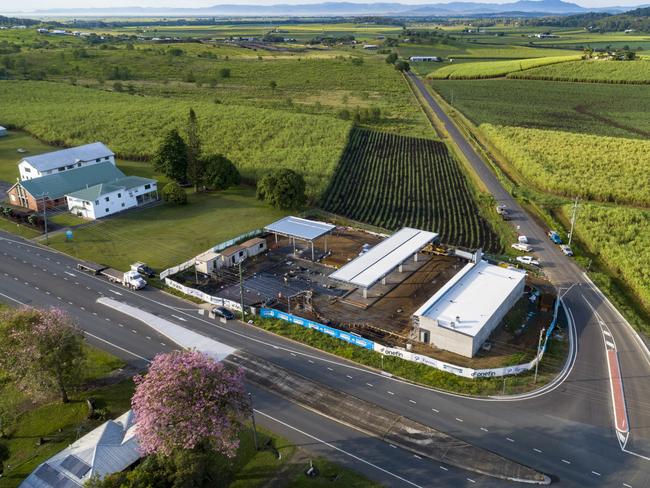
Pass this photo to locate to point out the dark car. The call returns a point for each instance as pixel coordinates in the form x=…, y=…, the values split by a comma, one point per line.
x=223, y=312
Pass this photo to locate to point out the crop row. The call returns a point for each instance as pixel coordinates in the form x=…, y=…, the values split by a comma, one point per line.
x=495, y=69
x=623, y=72
x=394, y=181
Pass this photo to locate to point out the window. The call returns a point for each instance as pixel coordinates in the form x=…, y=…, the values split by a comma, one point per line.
x=98, y=160
x=122, y=203
x=241, y=253
x=107, y=158
x=147, y=186
x=119, y=195
x=71, y=166
x=261, y=245
x=96, y=202
x=78, y=165
x=62, y=168
x=106, y=210
x=107, y=199
x=27, y=169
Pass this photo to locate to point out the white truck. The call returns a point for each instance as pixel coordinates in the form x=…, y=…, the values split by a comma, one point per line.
x=131, y=279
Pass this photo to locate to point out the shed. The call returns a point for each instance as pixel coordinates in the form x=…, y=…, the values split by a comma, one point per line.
x=207, y=262
x=300, y=229
x=254, y=246
x=233, y=255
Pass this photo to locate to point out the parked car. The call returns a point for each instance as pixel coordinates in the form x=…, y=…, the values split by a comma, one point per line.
x=529, y=260
x=555, y=237
x=522, y=247
x=143, y=269
x=223, y=312
x=522, y=239
x=566, y=250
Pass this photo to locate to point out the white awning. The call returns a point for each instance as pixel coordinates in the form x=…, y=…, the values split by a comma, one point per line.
x=298, y=228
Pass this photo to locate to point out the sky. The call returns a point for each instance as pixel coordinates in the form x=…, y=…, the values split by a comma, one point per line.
x=30, y=5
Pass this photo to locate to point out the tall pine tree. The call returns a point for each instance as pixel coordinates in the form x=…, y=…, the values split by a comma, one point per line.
x=195, y=164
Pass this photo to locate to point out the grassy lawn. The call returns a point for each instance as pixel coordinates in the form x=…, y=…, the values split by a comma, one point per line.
x=9, y=155
x=18, y=229
x=60, y=424
x=166, y=235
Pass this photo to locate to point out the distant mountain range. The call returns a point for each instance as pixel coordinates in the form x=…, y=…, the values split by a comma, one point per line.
x=333, y=9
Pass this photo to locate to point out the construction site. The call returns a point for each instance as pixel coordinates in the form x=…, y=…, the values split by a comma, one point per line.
x=361, y=282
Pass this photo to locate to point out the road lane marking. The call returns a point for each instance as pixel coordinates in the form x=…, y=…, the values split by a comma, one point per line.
x=310, y=361
x=348, y=376
x=484, y=429
x=70, y=303
x=134, y=331
x=596, y=473
x=509, y=439
x=71, y=274
x=293, y=354
x=330, y=369
x=116, y=292
x=416, y=456
x=331, y=446
x=179, y=318
x=626, y=485
x=148, y=337
x=537, y=450
x=162, y=343
x=443, y=468
x=459, y=420
x=370, y=385
x=412, y=401
x=471, y=480
x=390, y=392
x=107, y=319
x=566, y=462
x=394, y=447
x=435, y=410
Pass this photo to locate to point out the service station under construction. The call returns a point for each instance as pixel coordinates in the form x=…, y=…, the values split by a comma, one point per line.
x=403, y=290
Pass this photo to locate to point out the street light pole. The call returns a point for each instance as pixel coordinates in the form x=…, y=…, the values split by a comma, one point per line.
x=250, y=402
x=241, y=293
x=539, y=347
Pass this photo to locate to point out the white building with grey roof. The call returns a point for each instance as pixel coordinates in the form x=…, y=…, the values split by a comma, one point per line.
x=110, y=448
x=462, y=314
x=31, y=167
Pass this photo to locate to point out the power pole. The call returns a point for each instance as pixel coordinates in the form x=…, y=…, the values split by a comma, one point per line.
x=573, y=219
x=47, y=237
x=241, y=293
x=250, y=401
x=539, y=347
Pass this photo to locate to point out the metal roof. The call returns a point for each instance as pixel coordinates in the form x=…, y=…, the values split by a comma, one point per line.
x=109, y=448
x=307, y=230
x=59, y=184
x=64, y=157
x=383, y=258
x=96, y=191
x=471, y=297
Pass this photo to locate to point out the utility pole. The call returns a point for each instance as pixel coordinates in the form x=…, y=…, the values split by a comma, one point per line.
x=241, y=293
x=250, y=402
x=47, y=237
x=573, y=219
x=539, y=348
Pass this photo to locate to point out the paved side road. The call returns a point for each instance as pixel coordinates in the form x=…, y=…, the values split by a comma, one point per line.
x=592, y=312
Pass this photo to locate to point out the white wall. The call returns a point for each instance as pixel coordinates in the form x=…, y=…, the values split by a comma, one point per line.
x=110, y=203
x=28, y=172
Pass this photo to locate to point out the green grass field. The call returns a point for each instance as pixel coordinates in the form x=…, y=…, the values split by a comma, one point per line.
x=599, y=109
x=591, y=71
x=495, y=69
x=166, y=235
x=9, y=155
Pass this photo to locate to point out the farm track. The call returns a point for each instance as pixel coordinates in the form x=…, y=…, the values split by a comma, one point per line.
x=393, y=181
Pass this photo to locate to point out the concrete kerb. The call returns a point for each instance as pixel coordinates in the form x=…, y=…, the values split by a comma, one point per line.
x=381, y=423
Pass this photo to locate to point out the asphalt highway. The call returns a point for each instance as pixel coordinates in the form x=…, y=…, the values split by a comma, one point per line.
x=566, y=432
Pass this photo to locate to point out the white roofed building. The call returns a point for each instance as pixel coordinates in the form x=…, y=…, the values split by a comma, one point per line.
x=461, y=315
x=110, y=448
x=31, y=167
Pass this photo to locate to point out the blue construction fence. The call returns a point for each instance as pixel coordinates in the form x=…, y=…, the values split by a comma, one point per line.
x=551, y=327
x=272, y=313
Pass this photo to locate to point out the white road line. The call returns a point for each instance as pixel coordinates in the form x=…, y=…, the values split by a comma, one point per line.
x=134, y=331
x=626, y=485
x=435, y=410
x=339, y=450
x=116, y=292
x=310, y=361
x=348, y=376
x=537, y=450
x=82, y=308
x=390, y=392
x=606, y=332
x=148, y=337
x=509, y=439
x=36, y=288
x=370, y=385
x=566, y=462
x=107, y=319
x=416, y=456
x=330, y=369
x=610, y=345
x=484, y=429
x=394, y=447
x=293, y=354
x=162, y=343
x=70, y=274
x=459, y=420
x=121, y=325
x=471, y=480
x=69, y=303
x=596, y=473
x=116, y=346
x=58, y=298
x=179, y=318
x=443, y=468
x=47, y=293
x=412, y=401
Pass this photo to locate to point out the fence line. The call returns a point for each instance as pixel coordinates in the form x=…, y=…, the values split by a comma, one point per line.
x=224, y=302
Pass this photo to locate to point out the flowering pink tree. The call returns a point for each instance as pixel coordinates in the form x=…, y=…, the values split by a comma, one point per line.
x=189, y=400
x=41, y=350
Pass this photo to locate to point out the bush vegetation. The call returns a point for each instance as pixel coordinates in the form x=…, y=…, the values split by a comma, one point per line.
x=282, y=188
x=600, y=168
x=495, y=69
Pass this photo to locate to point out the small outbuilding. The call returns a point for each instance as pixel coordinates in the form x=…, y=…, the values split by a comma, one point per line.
x=254, y=246
x=208, y=262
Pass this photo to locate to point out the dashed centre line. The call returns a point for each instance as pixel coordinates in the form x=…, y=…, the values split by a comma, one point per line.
x=566, y=462
x=537, y=450
x=459, y=420
x=484, y=429
x=412, y=401
x=390, y=392
x=596, y=473
x=509, y=439
x=443, y=468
